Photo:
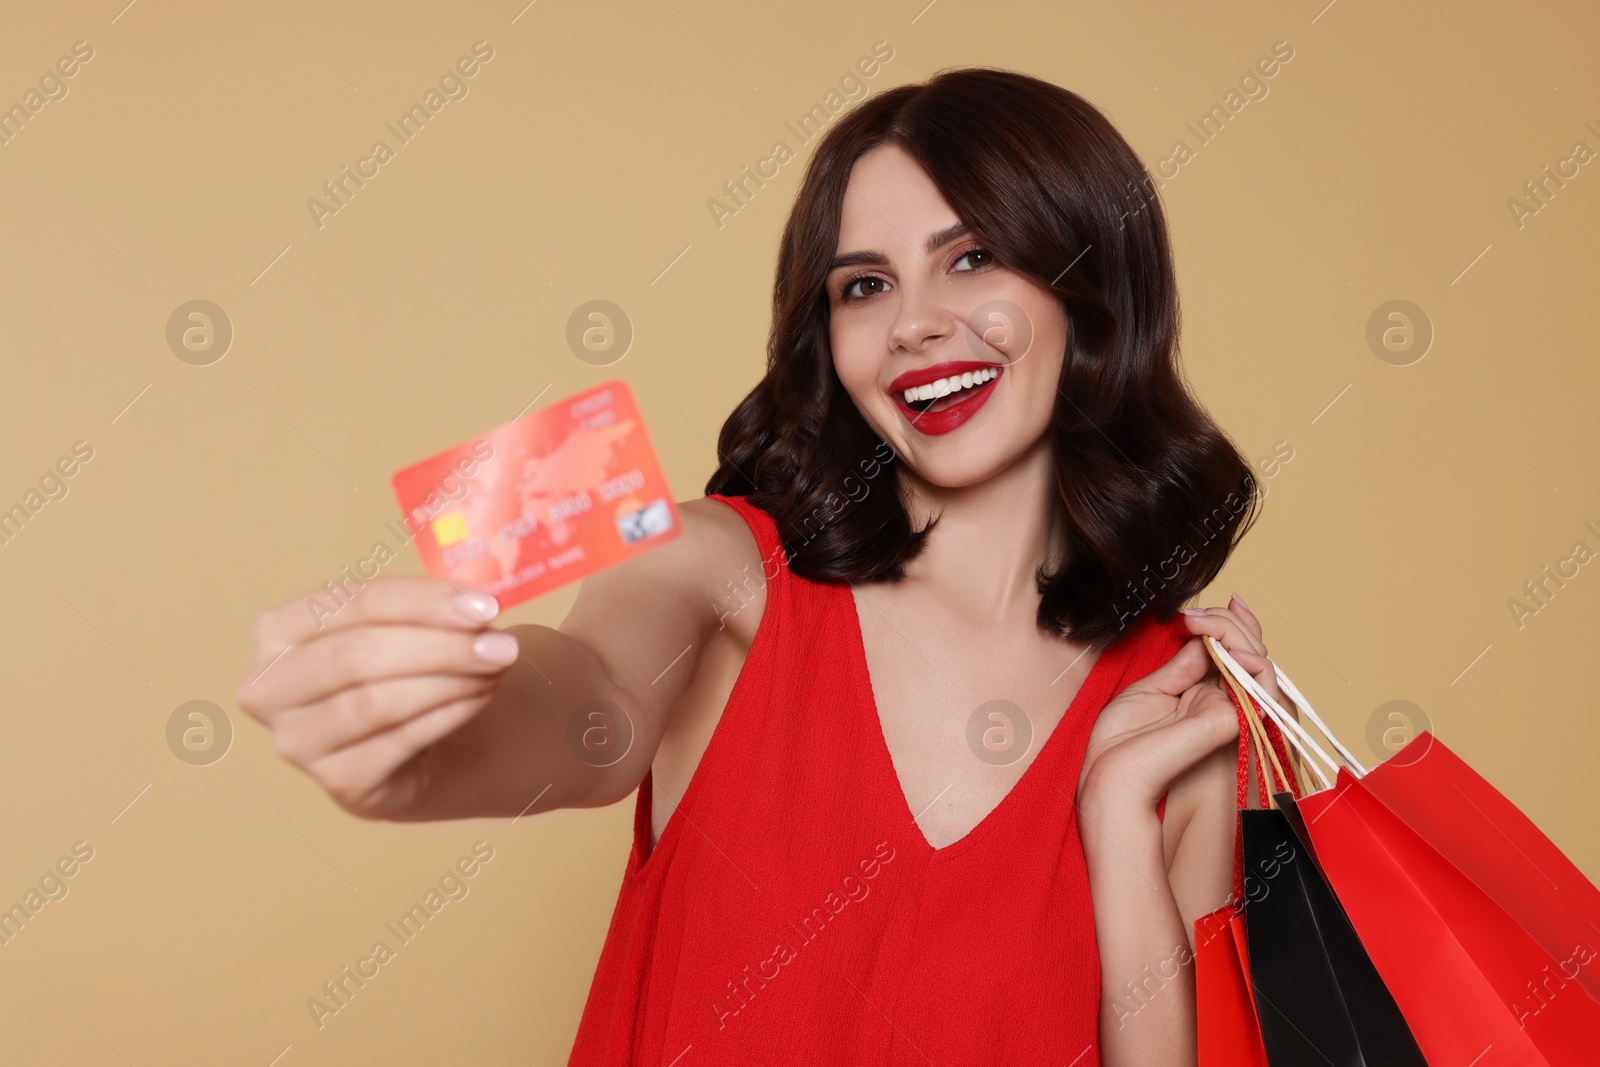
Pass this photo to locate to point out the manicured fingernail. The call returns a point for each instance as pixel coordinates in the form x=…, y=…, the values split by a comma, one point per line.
x=495, y=647
x=1196, y=611
x=1242, y=604
x=1235, y=648
x=477, y=606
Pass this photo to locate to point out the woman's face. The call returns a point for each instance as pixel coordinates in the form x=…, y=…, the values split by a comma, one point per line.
x=917, y=304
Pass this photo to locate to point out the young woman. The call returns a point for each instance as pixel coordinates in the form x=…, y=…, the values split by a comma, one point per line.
x=929, y=767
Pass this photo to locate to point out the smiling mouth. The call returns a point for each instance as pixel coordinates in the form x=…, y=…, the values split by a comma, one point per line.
x=946, y=392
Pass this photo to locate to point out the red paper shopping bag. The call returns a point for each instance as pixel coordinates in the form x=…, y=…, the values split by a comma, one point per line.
x=1474, y=985
x=1227, y=1027
x=1229, y=1033
x=1476, y=828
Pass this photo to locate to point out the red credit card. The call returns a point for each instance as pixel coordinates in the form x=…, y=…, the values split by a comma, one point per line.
x=549, y=498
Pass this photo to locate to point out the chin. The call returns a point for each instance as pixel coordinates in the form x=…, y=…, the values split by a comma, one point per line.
x=954, y=464
x=963, y=479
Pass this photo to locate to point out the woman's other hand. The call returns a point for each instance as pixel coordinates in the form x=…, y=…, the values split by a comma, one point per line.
x=1153, y=731
x=1240, y=632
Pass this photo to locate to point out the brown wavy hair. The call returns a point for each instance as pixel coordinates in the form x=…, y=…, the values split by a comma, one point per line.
x=1153, y=495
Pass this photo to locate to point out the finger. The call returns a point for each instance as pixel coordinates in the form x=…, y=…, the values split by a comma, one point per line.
x=1186, y=667
x=1158, y=758
x=333, y=661
x=352, y=775
x=1224, y=626
x=1207, y=723
x=354, y=714
x=1237, y=605
x=1215, y=721
x=1264, y=672
x=426, y=601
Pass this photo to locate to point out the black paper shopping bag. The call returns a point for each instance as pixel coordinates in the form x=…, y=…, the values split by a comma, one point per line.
x=1319, y=998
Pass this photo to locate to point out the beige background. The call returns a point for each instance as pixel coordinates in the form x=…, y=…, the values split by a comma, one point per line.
x=434, y=305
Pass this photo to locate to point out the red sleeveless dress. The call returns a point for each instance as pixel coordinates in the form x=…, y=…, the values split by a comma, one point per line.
x=792, y=911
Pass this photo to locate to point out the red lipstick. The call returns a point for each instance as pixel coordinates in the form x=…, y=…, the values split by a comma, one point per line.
x=949, y=417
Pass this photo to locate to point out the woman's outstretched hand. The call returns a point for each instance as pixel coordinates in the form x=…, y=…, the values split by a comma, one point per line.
x=361, y=693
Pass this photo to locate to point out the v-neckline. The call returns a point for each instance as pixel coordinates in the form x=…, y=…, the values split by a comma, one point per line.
x=874, y=726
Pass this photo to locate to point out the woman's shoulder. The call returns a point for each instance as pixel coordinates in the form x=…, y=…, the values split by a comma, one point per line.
x=717, y=533
x=729, y=542
x=743, y=511
x=726, y=522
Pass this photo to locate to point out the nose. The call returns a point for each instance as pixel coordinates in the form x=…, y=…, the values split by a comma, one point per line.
x=922, y=317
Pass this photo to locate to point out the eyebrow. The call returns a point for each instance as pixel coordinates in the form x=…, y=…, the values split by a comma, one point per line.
x=873, y=257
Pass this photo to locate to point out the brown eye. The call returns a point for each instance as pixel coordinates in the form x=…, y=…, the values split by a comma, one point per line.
x=846, y=293
x=982, y=257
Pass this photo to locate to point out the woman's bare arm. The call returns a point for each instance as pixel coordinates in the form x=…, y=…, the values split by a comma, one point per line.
x=389, y=708
x=1145, y=907
x=581, y=715
x=1174, y=731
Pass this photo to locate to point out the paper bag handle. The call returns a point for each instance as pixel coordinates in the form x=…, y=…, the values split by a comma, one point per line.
x=1294, y=732
x=1265, y=754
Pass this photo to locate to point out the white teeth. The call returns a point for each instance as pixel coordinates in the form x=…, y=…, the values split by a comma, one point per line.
x=946, y=386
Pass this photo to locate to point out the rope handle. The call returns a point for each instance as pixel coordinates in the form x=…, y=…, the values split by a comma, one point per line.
x=1249, y=741
x=1266, y=738
x=1258, y=742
